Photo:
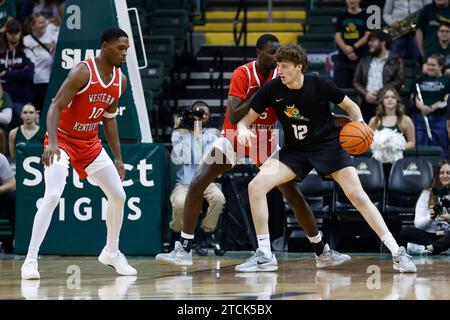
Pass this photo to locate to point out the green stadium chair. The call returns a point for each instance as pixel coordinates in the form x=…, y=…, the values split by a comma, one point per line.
x=321, y=20
x=318, y=67
x=152, y=77
x=171, y=23
x=316, y=29
x=322, y=42
x=161, y=48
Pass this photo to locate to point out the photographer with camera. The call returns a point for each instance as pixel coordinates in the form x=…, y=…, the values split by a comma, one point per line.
x=431, y=234
x=190, y=141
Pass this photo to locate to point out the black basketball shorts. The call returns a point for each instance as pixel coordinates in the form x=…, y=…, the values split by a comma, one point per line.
x=326, y=157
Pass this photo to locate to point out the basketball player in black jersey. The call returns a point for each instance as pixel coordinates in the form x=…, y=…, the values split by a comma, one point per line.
x=301, y=102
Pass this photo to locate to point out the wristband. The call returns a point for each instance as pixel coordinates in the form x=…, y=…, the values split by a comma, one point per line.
x=109, y=115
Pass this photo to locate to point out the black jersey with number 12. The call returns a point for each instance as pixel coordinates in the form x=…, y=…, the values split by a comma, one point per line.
x=304, y=113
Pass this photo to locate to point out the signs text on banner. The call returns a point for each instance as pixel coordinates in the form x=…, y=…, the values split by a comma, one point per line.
x=78, y=223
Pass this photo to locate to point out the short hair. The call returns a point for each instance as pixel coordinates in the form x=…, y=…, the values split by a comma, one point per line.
x=381, y=36
x=112, y=34
x=292, y=52
x=199, y=103
x=263, y=40
x=439, y=58
x=444, y=23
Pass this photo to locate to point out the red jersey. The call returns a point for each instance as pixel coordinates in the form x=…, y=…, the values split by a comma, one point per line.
x=245, y=81
x=80, y=119
x=78, y=125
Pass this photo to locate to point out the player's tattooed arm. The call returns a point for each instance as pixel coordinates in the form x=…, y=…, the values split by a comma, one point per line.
x=78, y=78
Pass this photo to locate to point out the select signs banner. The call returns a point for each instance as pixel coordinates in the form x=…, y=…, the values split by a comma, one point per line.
x=79, y=39
x=78, y=224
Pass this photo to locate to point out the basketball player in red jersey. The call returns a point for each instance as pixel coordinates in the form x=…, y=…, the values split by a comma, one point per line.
x=245, y=82
x=89, y=94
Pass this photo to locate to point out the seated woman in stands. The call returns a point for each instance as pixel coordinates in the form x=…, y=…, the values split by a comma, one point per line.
x=394, y=130
x=431, y=234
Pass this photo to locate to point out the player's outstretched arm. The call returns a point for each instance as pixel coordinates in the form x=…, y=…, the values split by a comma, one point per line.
x=112, y=133
x=78, y=78
x=245, y=134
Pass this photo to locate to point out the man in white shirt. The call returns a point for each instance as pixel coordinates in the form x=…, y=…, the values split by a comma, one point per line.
x=381, y=68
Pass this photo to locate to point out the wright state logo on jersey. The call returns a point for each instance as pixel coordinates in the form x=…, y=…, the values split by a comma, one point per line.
x=292, y=112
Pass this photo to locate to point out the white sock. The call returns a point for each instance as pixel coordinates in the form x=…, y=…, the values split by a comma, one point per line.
x=55, y=180
x=390, y=243
x=112, y=246
x=315, y=239
x=109, y=181
x=264, y=244
x=187, y=235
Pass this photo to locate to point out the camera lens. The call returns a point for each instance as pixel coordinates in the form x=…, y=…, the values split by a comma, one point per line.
x=437, y=208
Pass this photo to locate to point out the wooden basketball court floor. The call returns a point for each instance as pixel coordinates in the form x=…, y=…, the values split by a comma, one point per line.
x=366, y=276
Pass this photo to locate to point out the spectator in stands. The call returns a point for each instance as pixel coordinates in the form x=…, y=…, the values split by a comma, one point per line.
x=50, y=9
x=55, y=24
x=429, y=116
x=7, y=12
x=7, y=189
x=427, y=25
x=188, y=148
x=41, y=45
x=390, y=113
x=381, y=68
x=442, y=47
x=388, y=145
x=17, y=70
x=26, y=133
x=396, y=11
x=5, y=118
x=431, y=233
x=351, y=38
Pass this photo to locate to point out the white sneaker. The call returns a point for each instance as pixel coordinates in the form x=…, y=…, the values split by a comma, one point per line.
x=330, y=258
x=30, y=270
x=30, y=289
x=258, y=262
x=416, y=249
x=178, y=256
x=118, y=262
x=402, y=261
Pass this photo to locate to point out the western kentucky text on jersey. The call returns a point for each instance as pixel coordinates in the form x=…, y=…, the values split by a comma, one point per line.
x=101, y=97
x=81, y=117
x=85, y=127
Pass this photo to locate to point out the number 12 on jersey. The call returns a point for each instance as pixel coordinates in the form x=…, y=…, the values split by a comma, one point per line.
x=300, y=131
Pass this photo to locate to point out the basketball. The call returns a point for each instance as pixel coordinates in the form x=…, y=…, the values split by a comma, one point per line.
x=356, y=137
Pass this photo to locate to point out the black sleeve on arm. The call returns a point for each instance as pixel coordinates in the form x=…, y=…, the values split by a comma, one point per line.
x=262, y=100
x=329, y=89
